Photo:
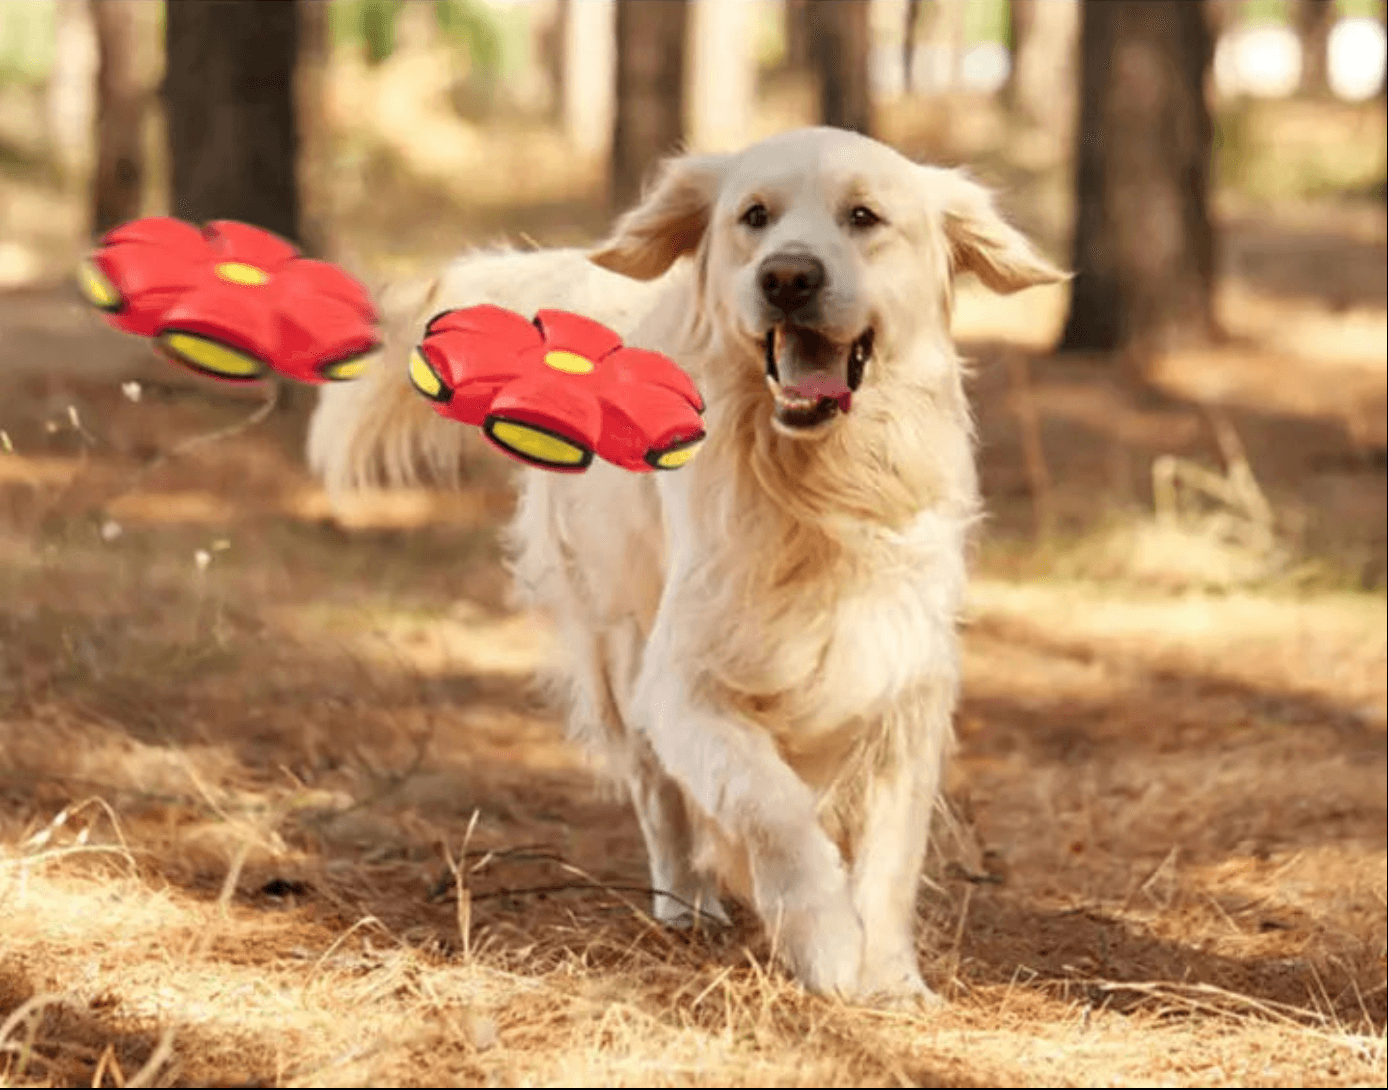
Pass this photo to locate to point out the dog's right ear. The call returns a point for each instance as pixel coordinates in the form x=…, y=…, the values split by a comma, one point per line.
x=668, y=222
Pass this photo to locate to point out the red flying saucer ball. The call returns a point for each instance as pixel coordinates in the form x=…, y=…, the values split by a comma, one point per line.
x=232, y=301
x=554, y=391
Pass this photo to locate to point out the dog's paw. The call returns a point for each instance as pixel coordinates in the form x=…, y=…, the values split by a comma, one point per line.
x=824, y=948
x=897, y=985
x=702, y=911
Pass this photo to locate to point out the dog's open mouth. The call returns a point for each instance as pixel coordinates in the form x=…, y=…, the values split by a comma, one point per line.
x=812, y=377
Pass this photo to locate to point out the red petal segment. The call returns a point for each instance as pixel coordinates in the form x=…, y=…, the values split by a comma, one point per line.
x=575, y=333
x=561, y=408
x=242, y=317
x=178, y=239
x=150, y=279
x=319, y=330
x=465, y=359
x=644, y=419
x=505, y=329
x=305, y=281
x=232, y=241
x=635, y=367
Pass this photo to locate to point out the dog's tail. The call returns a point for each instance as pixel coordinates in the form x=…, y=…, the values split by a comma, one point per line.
x=378, y=430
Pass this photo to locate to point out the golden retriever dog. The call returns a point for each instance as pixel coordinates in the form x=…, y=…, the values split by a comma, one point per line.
x=761, y=646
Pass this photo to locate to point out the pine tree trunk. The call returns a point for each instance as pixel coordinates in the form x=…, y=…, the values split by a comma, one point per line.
x=910, y=38
x=838, y=33
x=1144, y=248
x=118, y=186
x=589, y=44
x=797, y=23
x=1041, y=87
x=315, y=184
x=229, y=97
x=649, y=120
x=1314, y=20
x=723, y=74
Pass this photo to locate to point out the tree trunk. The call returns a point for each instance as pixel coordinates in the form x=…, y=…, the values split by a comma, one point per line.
x=797, y=21
x=229, y=97
x=1041, y=87
x=723, y=76
x=588, y=87
x=649, y=120
x=1144, y=245
x=910, y=38
x=1021, y=16
x=118, y=187
x=838, y=32
x=315, y=183
x=1314, y=20
x=71, y=98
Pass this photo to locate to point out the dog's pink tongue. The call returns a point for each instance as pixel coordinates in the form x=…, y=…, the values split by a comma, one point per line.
x=823, y=386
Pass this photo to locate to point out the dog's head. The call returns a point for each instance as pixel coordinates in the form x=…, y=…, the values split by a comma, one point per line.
x=821, y=254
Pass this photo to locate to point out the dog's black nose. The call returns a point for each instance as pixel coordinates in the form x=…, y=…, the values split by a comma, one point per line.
x=789, y=281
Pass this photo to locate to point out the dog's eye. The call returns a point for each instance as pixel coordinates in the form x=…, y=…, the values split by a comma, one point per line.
x=863, y=216
x=756, y=217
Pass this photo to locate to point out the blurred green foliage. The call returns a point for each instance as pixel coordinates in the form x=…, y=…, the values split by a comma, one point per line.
x=26, y=40
x=1272, y=152
x=987, y=21
x=471, y=25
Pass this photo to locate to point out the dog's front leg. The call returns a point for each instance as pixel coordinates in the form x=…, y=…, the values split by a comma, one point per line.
x=889, y=847
x=731, y=771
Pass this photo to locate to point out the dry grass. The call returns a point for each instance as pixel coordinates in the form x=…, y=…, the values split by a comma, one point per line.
x=277, y=807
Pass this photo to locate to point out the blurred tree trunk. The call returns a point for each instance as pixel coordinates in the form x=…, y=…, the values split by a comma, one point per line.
x=910, y=36
x=946, y=35
x=588, y=59
x=1144, y=245
x=838, y=33
x=118, y=187
x=722, y=82
x=71, y=90
x=797, y=35
x=1041, y=87
x=649, y=121
x=229, y=97
x=1314, y=20
x=1020, y=16
x=315, y=140
x=1383, y=22
x=549, y=51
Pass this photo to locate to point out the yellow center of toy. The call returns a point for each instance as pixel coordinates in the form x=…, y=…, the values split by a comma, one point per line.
x=539, y=445
x=673, y=459
x=239, y=273
x=569, y=362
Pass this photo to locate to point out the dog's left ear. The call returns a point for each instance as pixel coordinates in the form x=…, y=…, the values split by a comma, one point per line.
x=982, y=242
x=668, y=222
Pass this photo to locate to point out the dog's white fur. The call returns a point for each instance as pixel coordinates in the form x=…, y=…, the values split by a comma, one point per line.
x=761, y=645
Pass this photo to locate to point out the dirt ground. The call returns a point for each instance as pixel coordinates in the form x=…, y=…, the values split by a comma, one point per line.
x=277, y=806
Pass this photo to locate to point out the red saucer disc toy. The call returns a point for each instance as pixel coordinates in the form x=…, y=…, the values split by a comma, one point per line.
x=232, y=301
x=554, y=391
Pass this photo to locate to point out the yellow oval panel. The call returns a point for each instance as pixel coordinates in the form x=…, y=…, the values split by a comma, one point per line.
x=239, y=273
x=96, y=289
x=673, y=459
x=539, y=446
x=571, y=363
x=211, y=356
x=423, y=377
x=346, y=370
